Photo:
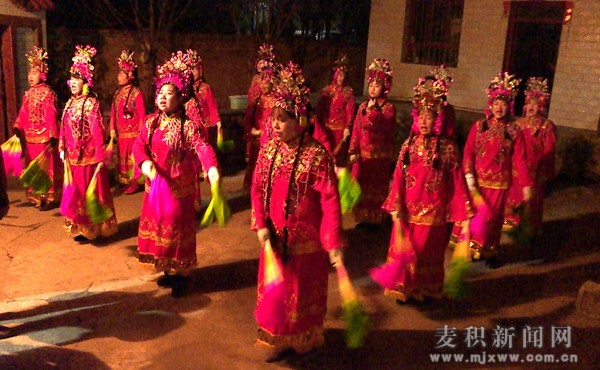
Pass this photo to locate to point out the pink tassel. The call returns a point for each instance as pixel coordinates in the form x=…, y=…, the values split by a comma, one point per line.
x=68, y=203
x=388, y=274
x=479, y=223
x=12, y=164
x=271, y=309
x=11, y=153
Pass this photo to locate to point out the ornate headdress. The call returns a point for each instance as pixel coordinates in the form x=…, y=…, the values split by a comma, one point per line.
x=82, y=64
x=266, y=58
x=37, y=59
x=176, y=71
x=441, y=72
x=193, y=58
x=537, y=88
x=290, y=91
x=125, y=61
x=429, y=94
x=341, y=63
x=504, y=86
x=380, y=70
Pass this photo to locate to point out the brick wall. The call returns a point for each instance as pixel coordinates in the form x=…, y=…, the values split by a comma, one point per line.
x=386, y=26
x=483, y=36
x=480, y=55
x=228, y=63
x=576, y=93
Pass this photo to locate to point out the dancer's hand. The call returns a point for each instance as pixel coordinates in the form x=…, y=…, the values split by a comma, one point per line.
x=471, y=184
x=149, y=169
x=263, y=235
x=527, y=193
x=336, y=257
x=346, y=134
x=213, y=175
x=113, y=134
x=61, y=154
x=465, y=227
x=353, y=158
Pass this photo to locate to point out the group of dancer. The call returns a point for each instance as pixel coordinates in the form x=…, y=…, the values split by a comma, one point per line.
x=294, y=156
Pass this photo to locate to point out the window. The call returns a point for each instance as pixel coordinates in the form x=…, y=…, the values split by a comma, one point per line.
x=432, y=32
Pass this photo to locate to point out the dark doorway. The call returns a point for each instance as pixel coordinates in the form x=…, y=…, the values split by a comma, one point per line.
x=532, y=42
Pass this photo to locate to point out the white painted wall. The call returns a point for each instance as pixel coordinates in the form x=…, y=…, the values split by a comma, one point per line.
x=576, y=92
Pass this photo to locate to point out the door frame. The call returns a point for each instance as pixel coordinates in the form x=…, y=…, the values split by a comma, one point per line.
x=510, y=46
x=10, y=68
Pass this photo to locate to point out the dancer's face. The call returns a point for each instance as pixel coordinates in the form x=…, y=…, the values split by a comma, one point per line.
x=426, y=121
x=532, y=107
x=76, y=86
x=340, y=78
x=122, y=78
x=375, y=89
x=284, y=126
x=34, y=77
x=168, y=98
x=500, y=108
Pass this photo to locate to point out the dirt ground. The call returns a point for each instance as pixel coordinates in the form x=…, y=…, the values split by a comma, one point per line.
x=93, y=306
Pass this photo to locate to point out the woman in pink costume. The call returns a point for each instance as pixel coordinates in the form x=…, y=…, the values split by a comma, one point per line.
x=442, y=73
x=295, y=205
x=372, y=145
x=207, y=102
x=428, y=189
x=127, y=113
x=81, y=146
x=335, y=113
x=201, y=108
x=493, y=149
x=37, y=127
x=539, y=134
x=167, y=150
x=257, y=121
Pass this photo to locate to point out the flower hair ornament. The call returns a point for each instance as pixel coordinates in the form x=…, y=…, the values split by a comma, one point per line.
x=442, y=72
x=82, y=64
x=429, y=95
x=38, y=60
x=176, y=71
x=193, y=59
x=537, y=88
x=380, y=70
x=340, y=65
x=290, y=92
x=266, y=58
x=504, y=86
x=126, y=62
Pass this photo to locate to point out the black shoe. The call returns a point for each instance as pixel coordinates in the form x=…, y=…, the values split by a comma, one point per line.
x=367, y=226
x=179, y=286
x=165, y=281
x=493, y=263
x=279, y=355
x=46, y=206
x=81, y=239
